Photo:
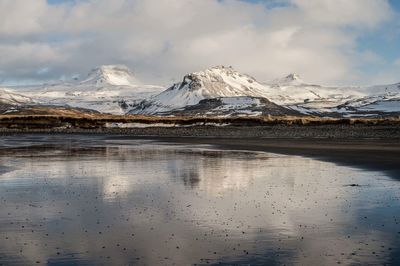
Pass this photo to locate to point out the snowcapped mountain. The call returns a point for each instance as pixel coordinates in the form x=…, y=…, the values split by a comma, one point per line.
x=290, y=92
x=345, y=101
x=215, y=82
x=215, y=91
x=118, y=75
x=107, y=89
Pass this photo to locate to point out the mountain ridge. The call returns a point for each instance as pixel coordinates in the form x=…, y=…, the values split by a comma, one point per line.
x=290, y=92
x=115, y=89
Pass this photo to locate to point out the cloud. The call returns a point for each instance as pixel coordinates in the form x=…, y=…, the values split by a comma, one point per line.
x=164, y=39
x=355, y=13
x=16, y=17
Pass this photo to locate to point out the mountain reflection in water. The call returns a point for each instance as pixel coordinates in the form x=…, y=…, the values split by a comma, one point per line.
x=124, y=202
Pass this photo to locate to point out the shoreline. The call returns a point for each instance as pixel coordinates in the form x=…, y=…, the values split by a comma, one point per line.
x=341, y=131
x=381, y=154
x=369, y=154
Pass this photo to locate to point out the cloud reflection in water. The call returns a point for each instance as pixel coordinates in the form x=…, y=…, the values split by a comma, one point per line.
x=161, y=204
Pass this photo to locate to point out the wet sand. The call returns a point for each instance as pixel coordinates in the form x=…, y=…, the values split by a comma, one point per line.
x=371, y=154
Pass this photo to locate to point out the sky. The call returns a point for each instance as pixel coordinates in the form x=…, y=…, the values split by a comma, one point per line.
x=330, y=42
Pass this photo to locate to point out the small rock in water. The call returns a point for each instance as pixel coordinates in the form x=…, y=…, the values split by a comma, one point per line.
x=352, y=185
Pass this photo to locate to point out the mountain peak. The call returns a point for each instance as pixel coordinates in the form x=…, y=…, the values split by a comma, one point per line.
x=218, y=74
x=216, y=70
x=221, y=67
x=119, y=75
x=293, y=77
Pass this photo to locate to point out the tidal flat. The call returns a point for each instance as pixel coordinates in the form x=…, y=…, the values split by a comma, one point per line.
x=118, y=200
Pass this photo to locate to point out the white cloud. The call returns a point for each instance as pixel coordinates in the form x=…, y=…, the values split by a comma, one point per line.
x=356, y=13
x=164, y=39
x=16, y=17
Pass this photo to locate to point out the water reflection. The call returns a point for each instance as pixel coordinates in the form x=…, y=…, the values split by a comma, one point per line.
x=123, y=202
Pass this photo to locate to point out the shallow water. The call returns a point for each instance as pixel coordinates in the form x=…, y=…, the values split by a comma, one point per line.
x=88, y=200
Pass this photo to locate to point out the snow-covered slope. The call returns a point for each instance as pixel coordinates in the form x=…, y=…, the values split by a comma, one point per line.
x=8, y=97
x=108, y=89
x=376, y=100
x=290, y=92
x=11, y=102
